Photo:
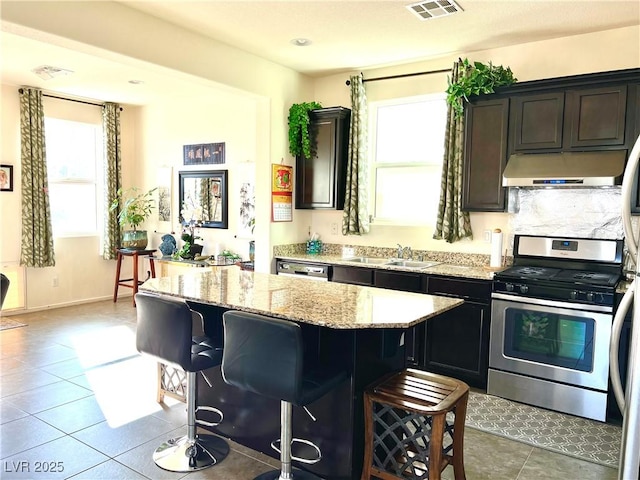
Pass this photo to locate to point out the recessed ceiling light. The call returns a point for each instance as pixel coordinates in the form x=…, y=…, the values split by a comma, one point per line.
x=301, y=42
x=136, y=82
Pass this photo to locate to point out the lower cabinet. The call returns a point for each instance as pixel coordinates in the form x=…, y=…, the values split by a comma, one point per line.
x=353, y=275
x=456, y=343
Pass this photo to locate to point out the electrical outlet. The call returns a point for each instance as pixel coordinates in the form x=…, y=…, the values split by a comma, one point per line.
x=487, y=236
x=54, y=281
x=348, y=252
x=334, y=229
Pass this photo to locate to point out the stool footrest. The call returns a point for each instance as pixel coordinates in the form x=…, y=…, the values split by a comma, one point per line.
x=209, y=409
x=309, y=461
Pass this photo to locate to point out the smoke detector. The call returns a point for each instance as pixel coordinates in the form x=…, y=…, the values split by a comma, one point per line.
x=47, y=72
x=434, y=9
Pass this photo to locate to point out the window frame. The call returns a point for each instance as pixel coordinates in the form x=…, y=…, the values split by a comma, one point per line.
x=374, y=165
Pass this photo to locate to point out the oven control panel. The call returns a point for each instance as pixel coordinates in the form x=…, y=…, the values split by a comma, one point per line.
x=549, y=292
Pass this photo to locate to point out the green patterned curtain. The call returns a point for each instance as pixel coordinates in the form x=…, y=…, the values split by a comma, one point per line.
x=452, y=224
x=355, y=217
x=112, y=178
x=36, y=249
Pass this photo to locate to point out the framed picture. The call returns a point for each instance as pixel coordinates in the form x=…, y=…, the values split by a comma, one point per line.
x=6, y=178
x=203, y=154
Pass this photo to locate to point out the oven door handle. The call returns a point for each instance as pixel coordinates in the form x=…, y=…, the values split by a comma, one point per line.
x=616, y=329
x=553, y=303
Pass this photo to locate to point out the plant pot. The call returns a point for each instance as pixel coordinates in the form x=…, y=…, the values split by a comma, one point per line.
x=195, y=250
x=134, y=239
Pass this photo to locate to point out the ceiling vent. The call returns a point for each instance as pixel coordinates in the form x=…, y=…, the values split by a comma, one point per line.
x=434, y=9
x=47, y=72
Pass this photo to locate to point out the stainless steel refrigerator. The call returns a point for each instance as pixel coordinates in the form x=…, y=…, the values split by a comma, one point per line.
x=629, y=401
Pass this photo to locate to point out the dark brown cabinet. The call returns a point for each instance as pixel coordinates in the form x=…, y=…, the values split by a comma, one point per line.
x=456, y=343
x=597, y=111
x=353, y=275
x=575, y=119
x=596, y=117
x=536, y=121
x=485, y=155
x=403, y=281
x=320, y=181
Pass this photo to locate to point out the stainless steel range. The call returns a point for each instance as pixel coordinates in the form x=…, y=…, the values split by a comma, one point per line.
x=551, y=318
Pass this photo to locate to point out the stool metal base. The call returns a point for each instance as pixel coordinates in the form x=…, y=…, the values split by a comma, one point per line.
x=295, y=475
x=179, y=455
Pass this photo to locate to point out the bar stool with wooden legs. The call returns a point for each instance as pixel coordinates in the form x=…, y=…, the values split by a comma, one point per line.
x=135, y=282
x=407, y=433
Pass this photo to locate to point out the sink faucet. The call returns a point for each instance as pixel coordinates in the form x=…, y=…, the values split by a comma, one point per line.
x=399, y=254
x=409, y=253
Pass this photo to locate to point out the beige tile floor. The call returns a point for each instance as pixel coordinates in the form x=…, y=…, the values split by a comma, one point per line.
x=76, y=399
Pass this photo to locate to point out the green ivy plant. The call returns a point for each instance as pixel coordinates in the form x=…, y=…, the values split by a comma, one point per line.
x=475, y=79
x=299, y=138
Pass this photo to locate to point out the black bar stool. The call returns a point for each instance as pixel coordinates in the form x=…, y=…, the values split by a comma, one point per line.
x=264, y=355
x=165, y=332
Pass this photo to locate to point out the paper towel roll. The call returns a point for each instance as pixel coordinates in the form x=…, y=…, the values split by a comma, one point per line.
x=496, y=248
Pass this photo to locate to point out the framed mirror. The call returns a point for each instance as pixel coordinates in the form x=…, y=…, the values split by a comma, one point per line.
x=204, y=195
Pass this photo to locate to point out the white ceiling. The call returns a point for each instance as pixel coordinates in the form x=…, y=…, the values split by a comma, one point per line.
x=345, y=36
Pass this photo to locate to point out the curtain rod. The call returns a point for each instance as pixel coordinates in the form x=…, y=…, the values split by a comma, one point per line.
x=69, y=99
x=446, y=70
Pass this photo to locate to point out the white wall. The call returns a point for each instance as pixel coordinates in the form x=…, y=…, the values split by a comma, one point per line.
x=603, y=51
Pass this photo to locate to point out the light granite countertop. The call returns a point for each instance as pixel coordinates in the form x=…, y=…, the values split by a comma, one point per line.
x=326, y=304
x=445, y=269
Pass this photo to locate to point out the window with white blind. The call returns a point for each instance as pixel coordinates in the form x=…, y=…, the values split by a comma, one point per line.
x=75, y=175
x=407, y=148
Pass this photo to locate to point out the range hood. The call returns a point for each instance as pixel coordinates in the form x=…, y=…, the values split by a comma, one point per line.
x=565, y=169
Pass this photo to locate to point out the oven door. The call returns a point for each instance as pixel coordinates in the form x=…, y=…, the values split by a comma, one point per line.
x=550, y=340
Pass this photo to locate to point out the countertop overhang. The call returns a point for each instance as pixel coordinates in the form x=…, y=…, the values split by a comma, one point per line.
x=326, y=304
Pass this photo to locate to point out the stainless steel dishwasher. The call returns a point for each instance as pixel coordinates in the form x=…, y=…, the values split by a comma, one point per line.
x=312, y=271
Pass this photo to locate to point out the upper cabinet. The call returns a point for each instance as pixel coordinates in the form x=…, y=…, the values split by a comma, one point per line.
x=596, y=117
x=575, y=119
x=536, y=121
x=485, y=155
x=320, y=181
x=598, y=111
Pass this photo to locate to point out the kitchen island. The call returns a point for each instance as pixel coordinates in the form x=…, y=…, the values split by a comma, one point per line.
x=359, y=329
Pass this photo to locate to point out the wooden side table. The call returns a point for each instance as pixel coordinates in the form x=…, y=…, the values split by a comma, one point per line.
x=135, y=281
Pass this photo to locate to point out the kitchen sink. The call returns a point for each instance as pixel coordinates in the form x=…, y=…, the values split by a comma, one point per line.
x=412, y=264
x=368, y=260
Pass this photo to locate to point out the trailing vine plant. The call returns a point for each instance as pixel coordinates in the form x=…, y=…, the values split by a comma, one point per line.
x=299, y=138
x=475, y=79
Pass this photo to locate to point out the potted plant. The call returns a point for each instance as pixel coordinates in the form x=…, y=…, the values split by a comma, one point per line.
x=299, y=137
x=190, y=218
x=475, y=79
x=134, y=207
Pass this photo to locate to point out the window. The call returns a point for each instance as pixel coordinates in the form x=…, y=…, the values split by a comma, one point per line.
x=407, y=145
x=74, y=169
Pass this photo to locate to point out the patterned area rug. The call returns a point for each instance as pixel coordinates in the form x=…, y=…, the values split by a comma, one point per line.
x=577, y=437
x=6, y=324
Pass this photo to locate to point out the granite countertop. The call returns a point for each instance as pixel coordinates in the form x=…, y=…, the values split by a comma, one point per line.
x=445, y=269
x=326, y=304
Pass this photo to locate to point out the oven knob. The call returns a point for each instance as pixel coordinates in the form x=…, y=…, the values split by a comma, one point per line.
x=524, y=288
x=509, y=287
x=573, y=295
x=589, y=297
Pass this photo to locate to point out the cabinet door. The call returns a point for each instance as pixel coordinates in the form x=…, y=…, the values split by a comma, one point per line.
x=457, y=344
x=485, y=155
x=404, y=281
x=353, y=275
x=596, y=117
x=536, y=121
x=634, y=116
x=320, y=181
